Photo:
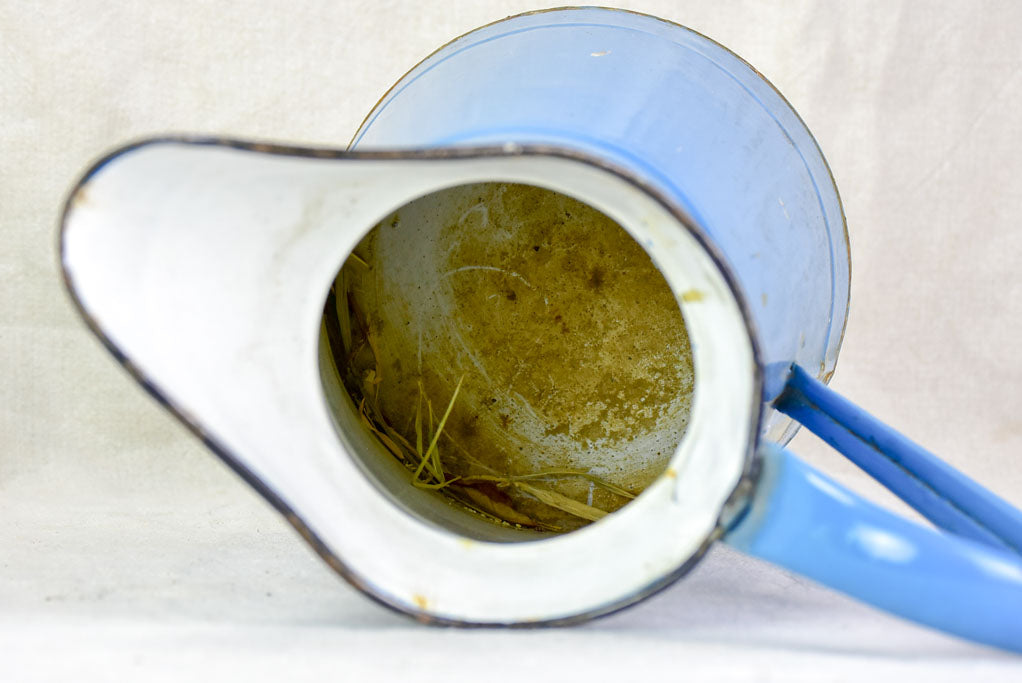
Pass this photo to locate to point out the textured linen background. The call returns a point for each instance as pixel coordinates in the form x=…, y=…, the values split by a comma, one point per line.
x=128, y=552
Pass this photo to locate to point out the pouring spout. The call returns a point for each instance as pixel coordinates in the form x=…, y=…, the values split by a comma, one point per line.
x=204, y=266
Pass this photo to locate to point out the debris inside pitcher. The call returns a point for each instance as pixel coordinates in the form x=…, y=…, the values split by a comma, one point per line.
x=516, y=350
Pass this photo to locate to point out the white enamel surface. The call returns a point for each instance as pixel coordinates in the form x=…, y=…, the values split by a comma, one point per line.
x=208, y=268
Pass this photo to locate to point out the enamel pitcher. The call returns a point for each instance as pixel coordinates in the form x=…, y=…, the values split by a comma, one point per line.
x=203, y=265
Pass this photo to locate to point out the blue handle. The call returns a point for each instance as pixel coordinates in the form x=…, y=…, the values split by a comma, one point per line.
x=802, y=520
x=940, y=493
x=967, y=581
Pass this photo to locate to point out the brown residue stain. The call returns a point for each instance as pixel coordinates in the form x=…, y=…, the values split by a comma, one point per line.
x=570, y=341
x=671, y=473
x=420, y=601
x=627, y=326
x=466, y=427
x=692, y=296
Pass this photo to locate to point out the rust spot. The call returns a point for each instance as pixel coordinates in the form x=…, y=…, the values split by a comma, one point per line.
x=692, y=295
x=81, y=197
x=293, y=520
x=420, y=601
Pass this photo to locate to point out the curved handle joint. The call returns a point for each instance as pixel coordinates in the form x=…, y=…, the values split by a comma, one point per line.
x=939, y=492
x=802, y=520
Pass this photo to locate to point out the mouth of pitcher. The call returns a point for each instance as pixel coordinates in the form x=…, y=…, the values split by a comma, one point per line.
x=513, y=354
x=511, y=362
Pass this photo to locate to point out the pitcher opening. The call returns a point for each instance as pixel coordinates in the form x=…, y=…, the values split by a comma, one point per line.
x=515, y=350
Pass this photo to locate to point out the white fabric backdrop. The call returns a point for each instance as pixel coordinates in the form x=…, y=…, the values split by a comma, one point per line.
x=127, y=550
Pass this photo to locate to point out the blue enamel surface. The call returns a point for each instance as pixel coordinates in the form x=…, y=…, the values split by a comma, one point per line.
x=680, y=111
x=942, y=494
x=802, y=520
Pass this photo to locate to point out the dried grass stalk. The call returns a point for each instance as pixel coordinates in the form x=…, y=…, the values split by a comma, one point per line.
x=354, y=333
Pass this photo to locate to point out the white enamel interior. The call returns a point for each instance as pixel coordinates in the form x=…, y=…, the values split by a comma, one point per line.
x=207, y=267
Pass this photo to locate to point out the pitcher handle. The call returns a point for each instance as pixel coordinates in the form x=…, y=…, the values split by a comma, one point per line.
x=939, y=492
x=967, y=580
x=802, y=520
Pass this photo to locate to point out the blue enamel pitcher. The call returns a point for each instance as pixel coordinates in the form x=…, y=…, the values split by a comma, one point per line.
x=203, y=265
